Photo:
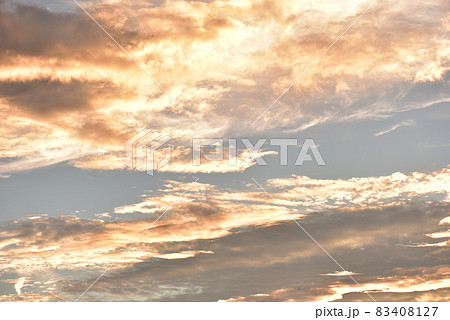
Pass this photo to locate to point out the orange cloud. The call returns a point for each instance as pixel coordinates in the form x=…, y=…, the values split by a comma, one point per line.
x=223, y=62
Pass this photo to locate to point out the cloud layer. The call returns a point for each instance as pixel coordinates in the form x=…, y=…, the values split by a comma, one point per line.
x=223, y=62
x=69, y=94
x=216, y=235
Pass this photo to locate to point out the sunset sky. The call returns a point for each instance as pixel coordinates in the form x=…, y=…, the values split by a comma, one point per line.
x=370, y=85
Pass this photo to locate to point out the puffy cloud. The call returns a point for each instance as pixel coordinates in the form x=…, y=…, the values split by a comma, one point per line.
x=362, y=192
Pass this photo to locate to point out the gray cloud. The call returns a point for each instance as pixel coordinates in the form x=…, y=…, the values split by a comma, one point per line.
x=378, y=244
x=34, y=31
x=46, y=97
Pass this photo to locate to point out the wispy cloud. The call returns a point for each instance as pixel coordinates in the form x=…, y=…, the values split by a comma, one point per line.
x=408, y=123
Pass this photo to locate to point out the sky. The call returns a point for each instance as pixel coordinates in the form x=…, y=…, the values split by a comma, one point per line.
x=368, y=82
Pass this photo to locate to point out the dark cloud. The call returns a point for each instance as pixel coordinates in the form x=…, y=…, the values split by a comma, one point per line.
x=266, y=263
x=28, y=30
x=52, y=101
x=377, y=244
x=47, y=97
x=34, y=31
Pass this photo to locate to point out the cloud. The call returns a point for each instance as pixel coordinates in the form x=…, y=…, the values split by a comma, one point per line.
x=269, y=260
x=181, y=161
x=66, y=97
x=223, y=62
x=68, y=93
x=395, y=238
x=19, y=284
x=31, y=31
x=317, y=194
x=407, y=123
